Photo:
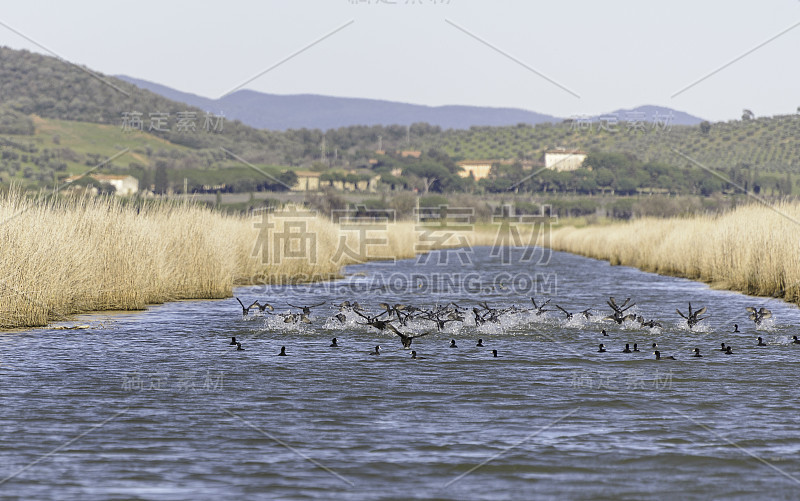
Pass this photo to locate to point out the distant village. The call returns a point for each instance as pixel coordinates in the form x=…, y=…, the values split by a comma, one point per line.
x=556, y=159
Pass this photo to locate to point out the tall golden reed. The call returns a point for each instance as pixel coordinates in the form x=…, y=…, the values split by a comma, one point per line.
x=753, y=249
x=62, y=256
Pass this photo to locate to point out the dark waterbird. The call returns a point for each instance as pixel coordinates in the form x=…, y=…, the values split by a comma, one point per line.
x=262, y=307
x=233, y=342
x=401, y=311
x=697, y=353
x=795, y=340
x=480, y=343
x=415, y=357
x=405, y=338
x=659, y=357
x=494, y=353
x=374, y=321
x=539, y=307
x=283, y=352
x=693, y=318
x=256, y=304
x=602, y=348
x=758, y=315
x=586, y=313
x=761, y=342
x=306, y=315
x=648, y=323
x=453, y=343
x=334, y=343
x=377, y=351
x=619, y=315
x=627, y=348
x=239, y=347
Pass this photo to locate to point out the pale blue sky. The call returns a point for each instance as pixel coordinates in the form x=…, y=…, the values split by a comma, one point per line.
x=613, y=54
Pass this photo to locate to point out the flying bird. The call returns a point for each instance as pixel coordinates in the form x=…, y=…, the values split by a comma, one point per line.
x=759, y=315
x=693, y=318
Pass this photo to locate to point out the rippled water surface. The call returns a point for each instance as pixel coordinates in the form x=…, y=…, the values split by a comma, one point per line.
x=158, y=405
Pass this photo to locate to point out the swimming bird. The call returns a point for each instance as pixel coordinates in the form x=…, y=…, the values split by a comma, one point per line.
x=796, y=341
x=377, y=351
x=334, y=343
x=233, y=342
x=635, y=347
x=415, y=357
x=283, y=352
x=602, y=348
x=723, y=347
x=761, y=342
x=494, y=353
x=759, y=315
x=736, y=328
x=453, y=343
x=480, y=343
x=655, y=345
x=627, y=349
x=659, y=357
x=697, y=353
x=239, y=347
x=293, y=318
x=619, y=311
x=728, y=350
x=648, y=323
x=603, y=332
x=692, y=318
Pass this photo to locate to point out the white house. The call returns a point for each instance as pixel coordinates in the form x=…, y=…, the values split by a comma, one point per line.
x=478, y=169
x=124, y=185
x=561, y=159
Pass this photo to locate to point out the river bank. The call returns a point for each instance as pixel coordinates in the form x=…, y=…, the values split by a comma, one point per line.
x=751, y=249
x=63, y=256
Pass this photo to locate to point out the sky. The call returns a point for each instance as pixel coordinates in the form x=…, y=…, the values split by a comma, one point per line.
x=565, y=58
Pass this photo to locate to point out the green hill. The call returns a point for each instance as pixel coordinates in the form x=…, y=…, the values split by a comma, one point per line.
x=58, y=119
x=766, y=143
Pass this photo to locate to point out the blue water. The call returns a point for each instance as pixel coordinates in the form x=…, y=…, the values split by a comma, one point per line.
x=158, y=405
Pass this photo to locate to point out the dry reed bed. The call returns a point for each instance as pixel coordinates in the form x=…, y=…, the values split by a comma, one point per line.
x=752, y=249
x=67, y=256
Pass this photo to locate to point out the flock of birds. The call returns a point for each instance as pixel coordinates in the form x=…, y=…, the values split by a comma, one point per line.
x=393, y=318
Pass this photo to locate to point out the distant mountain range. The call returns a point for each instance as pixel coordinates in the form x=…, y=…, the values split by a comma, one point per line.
x=281, y=112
